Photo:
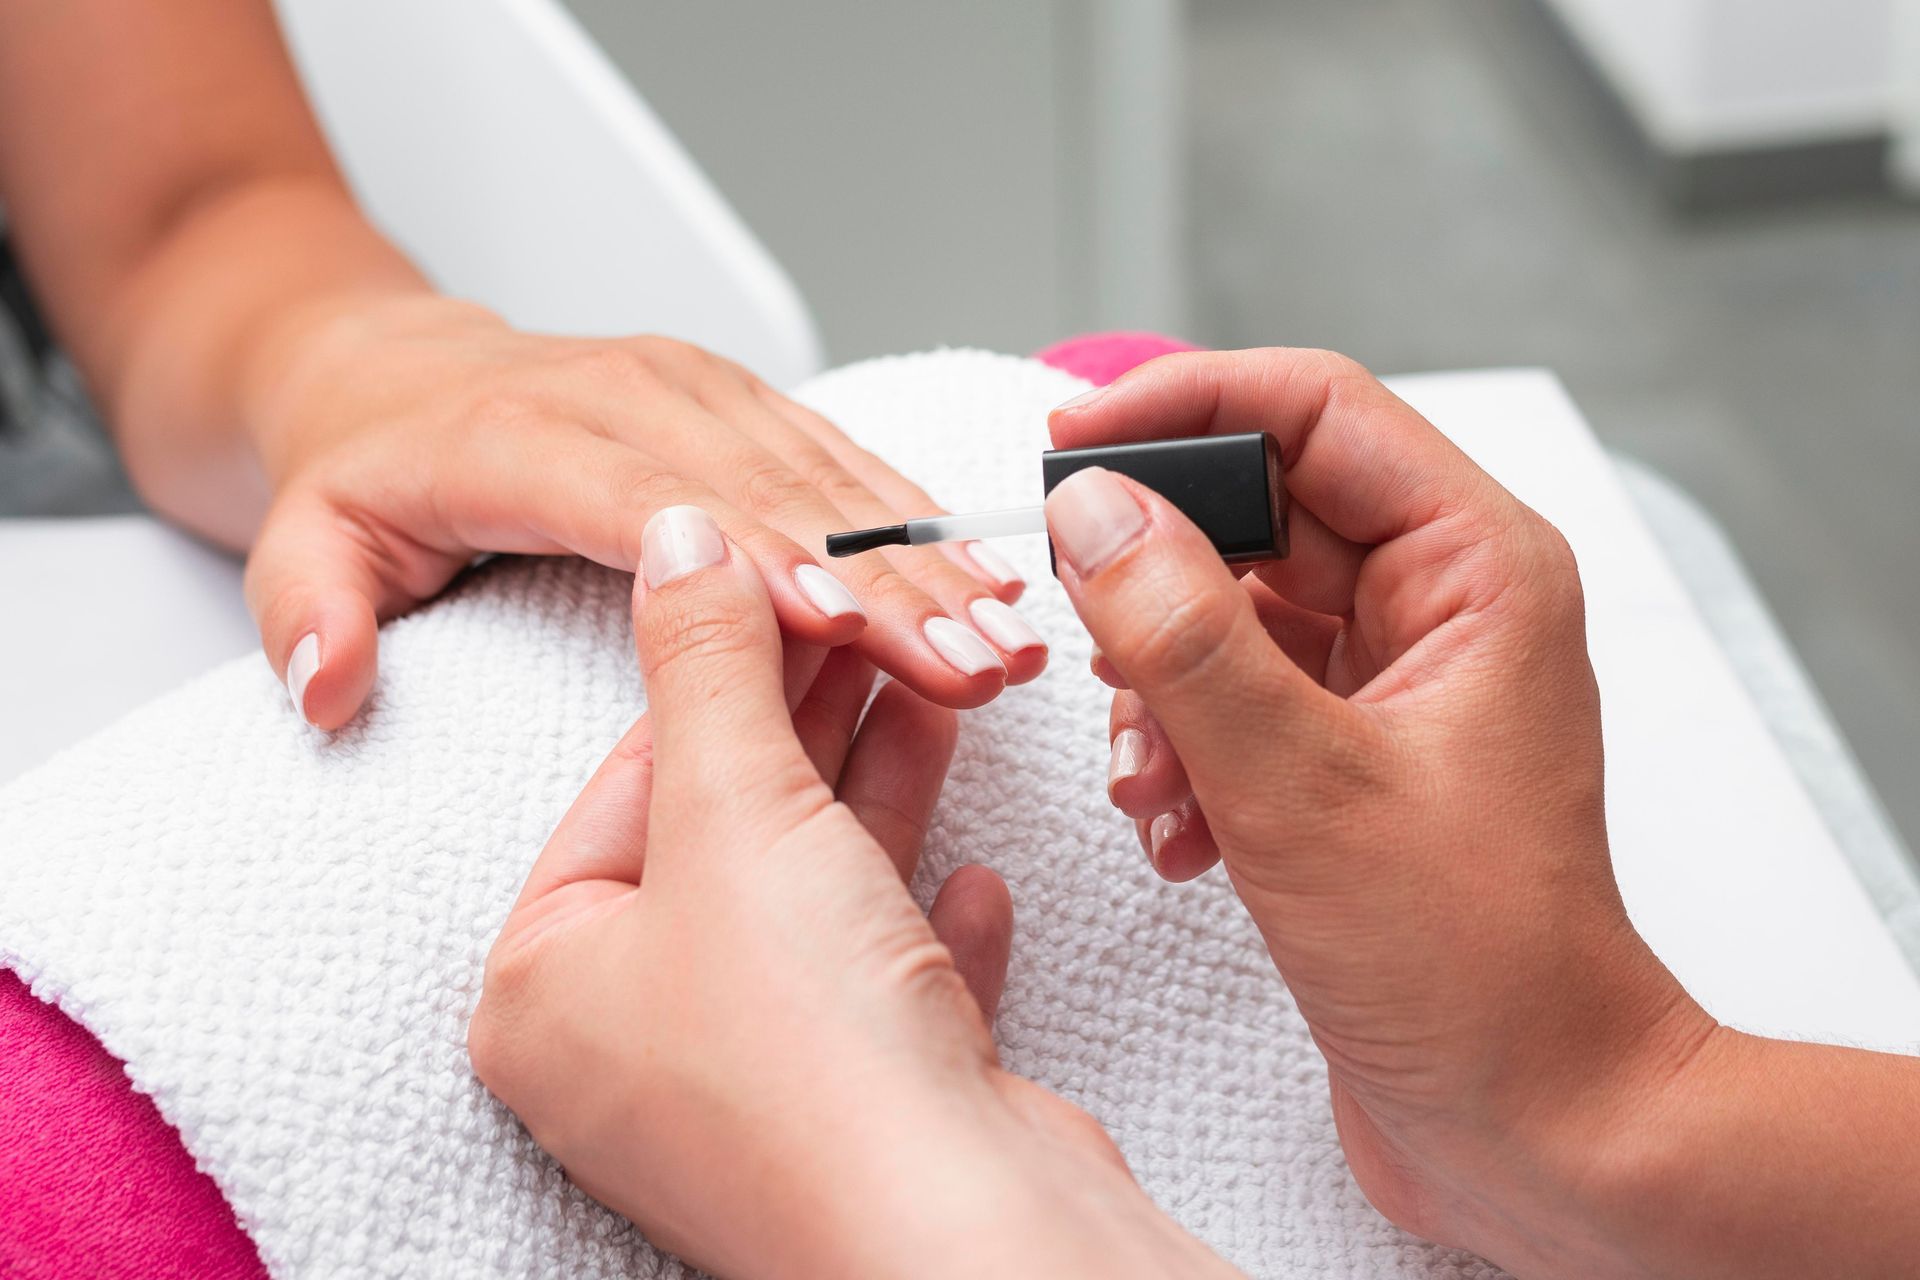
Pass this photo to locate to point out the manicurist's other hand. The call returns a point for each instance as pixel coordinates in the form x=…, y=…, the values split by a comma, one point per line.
x=717, y=1006
x=1392, y=741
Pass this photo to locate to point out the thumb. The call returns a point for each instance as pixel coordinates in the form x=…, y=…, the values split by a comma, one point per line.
x=1178, y=625
x=317, y=585
x=711, y=656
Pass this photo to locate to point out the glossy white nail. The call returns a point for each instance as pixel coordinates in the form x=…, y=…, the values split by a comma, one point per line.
x=302, y=663
x=1128, y=759
x=963, y=650
x=1093, y=518
x=999, y=623
x=1164, y=828
x=678, y=541
x=827, y=593
x=993, y=566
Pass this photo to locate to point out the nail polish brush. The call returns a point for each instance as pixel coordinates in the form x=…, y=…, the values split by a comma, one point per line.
x=1230, y=486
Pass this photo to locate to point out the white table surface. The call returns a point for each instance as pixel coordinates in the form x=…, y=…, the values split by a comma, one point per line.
x=99, y=615
x=1725, y=864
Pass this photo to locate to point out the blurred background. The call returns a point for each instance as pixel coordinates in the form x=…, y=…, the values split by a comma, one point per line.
x=1700, y=213
x=1692, y=210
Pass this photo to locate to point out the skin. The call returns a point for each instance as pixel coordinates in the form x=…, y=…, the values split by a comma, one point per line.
x=281, y=381
x=1392, y=742
x=715, y=992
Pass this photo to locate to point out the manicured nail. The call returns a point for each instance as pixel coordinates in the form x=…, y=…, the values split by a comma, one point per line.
x=678, y=541
x=993, y=566
x=967, y=652
x=301, y=665
x=1093, y=518
x=1164, y=828
x=1080, y=401
x=1129, y=758
x=1006, y=628
x=828, y=596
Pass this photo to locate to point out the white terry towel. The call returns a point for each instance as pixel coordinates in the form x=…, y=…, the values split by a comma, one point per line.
x=282, y=933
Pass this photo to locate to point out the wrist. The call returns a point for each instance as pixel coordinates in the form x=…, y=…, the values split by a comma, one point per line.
x=1599, y=1166
x=324, y=347
x=182, y=333
x=992, y=1193
x=1530, y=1165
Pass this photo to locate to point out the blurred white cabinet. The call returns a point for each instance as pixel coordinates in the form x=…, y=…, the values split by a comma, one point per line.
x=1726, y=75
x=999, y=172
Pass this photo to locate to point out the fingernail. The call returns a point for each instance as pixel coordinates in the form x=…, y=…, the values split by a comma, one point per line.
x=1164, y=828
x=301, y=665
x=678, y=541
x=826, y=592
x=1129, y=758
x=993, y=566
x=1080, y=401
x=1093, y=518
x=1002, y=625
x=962, y=649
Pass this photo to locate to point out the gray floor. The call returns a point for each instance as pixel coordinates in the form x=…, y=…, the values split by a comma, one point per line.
x=1424, y=184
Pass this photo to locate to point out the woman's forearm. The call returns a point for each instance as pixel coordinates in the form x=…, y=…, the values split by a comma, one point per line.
x=208, y=325
x=1758, y=1158
x=178, y=212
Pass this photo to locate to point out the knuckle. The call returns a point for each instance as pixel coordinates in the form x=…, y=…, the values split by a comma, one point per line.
x=1559, y=571
x=498, y=1029
x=892, y=826
x=904, y=954
x=1183, y=642
x=715, y=632
x=1556, y=558
x=880, y=584
x=642, y=491
x=833, y=481
x=1338, y=366
x=624, y=367
x=507, y=409
x=771, y=487
x=646, y=489
x=660, y=352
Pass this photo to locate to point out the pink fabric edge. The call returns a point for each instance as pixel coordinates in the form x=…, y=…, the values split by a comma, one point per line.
x=94, y=1181
x=1102, y=357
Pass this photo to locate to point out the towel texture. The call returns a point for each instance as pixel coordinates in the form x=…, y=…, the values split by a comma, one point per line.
x=281, y=934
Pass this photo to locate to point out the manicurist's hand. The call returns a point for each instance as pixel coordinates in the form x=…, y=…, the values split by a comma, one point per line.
x=1392, y=741
x=717, y=1006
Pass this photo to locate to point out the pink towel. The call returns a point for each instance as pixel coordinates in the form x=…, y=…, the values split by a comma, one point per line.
x=94, y=1183
x=1102, y=357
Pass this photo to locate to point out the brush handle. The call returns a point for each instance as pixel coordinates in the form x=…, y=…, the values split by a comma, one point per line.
x=980, y=524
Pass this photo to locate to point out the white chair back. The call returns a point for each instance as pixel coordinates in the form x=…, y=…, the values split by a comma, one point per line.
x=501, y=149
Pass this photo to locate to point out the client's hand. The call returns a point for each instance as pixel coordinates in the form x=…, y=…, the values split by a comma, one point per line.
x=1393, y=741
x=406, y=436
x=716, y=1004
